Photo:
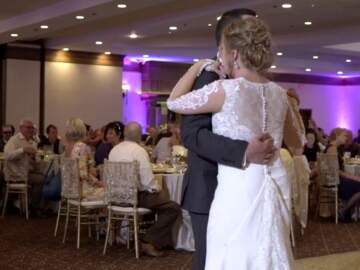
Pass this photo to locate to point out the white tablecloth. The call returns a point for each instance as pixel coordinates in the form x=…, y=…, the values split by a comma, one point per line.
x=185, y=237
x=353, y=169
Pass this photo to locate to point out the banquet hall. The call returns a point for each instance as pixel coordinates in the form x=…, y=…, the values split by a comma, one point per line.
x=83, y=93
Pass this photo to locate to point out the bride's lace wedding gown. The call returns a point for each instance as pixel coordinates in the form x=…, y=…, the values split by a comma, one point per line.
x=249, y=220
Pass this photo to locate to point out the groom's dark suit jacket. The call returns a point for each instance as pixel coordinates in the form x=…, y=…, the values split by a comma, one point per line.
x=206, y=150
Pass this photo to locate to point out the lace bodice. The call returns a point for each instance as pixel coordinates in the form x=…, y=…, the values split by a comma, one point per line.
x=242, y=114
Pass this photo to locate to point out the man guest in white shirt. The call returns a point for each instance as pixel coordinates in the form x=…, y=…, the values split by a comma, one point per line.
x=20, y=153
x=150, y=194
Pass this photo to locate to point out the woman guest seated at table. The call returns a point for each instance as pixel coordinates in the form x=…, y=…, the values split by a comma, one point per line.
x=75, y=147
x=113, y=135
x=349, y=186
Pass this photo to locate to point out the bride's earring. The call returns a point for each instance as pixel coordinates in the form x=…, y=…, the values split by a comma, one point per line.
x=236, y=65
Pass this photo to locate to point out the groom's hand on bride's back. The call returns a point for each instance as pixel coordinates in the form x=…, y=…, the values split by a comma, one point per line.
x=260, y=150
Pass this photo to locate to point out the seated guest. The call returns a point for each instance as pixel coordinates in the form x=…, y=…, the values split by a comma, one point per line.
x=349, y=146
x=150, y=194
x=349, y=186
x=75, y=134
x=163, y=149
x=152, y=136
x=311, y=147
x=93, y=137
x=51, y=140
x=113, y=135
x=357, y=139
x=20, y=152
x=7, y=132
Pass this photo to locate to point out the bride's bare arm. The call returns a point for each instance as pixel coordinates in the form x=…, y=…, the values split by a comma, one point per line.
x=208, y=99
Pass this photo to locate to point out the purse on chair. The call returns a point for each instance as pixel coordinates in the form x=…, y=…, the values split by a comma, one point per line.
x=52, y=184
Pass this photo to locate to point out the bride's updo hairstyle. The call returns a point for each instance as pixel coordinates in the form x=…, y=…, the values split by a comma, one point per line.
x=252, y=39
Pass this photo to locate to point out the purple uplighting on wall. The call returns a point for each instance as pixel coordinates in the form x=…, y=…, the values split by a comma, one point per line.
x=134, y=108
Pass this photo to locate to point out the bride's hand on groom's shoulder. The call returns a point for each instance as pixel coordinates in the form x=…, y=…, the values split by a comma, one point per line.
x=260, y=150
x=211, y=66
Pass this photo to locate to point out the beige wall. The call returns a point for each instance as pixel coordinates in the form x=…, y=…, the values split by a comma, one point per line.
x=22, y=91
x=91, y=92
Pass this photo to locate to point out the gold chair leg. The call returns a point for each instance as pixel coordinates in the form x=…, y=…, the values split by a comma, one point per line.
x=26, y=205
x=58, y=218
x=336, y=207
x=136, y=236
x=108, y=229
x=5, y=200
x=66, y=221
x=78, y=227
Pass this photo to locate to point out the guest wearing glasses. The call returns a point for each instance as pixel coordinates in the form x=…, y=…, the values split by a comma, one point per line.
x=20, y=154
x=7, y=132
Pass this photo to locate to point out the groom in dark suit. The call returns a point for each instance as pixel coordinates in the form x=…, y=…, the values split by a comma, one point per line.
x=207, y=149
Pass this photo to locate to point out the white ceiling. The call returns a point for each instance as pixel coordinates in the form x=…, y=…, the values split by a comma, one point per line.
x=333, y=36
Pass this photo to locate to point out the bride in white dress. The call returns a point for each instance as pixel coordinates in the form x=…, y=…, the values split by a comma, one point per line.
x=249, y=220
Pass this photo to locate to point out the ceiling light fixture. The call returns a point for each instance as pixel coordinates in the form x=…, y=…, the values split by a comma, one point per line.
x=279, y=54
x=44, y=26
x=196, y=60
x=98, y=42
x=133, y=36
x=107, y=53
x=14, y=35
x=80, y=17
x=273, y=67
x=173, y=28
x=308, y=23
x=315, y=57
x=122, y=6
x=218, y=18
x=340, y=72
x=308, y=69
x=66, y=49
x=209, y=24
x=145, y=56
x=348, y=60
x=286, y=5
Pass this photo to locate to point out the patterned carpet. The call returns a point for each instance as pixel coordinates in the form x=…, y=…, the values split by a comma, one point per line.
x=31, y=246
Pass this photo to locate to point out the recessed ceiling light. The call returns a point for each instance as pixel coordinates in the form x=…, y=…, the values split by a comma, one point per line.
x=308, y=69
x=279, y=54
x=107, y=53
x=66, y=49
x=80, y=17
x=196, y=60
x=14, y=35
x=44, y=26
x=340, y=73
x=133, y=35
x=173, y=28
x=273, y=67
x=209, y=24
x=98, y=42
x=218, y=18
x=286, y=5
x=146, y=56
x=308, y=23
x=122, y=6
x=315, y=57
x=348, y=60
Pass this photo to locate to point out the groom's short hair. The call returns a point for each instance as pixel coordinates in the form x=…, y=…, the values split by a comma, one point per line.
x=228, y=17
